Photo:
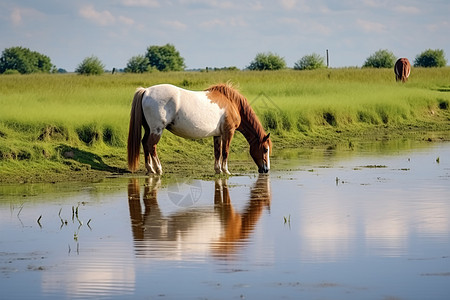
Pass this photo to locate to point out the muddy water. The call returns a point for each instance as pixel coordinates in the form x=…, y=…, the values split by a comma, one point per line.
x=324, y=224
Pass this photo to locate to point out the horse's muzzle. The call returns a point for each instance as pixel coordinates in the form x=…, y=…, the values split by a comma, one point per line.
x=263, y=169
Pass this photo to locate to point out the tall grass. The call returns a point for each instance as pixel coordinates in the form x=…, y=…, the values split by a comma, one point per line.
x=40, y=112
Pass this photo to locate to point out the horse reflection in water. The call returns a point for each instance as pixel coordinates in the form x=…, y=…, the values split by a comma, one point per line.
x=218, y=230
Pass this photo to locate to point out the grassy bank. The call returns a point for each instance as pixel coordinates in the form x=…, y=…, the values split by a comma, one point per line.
x=60, y=127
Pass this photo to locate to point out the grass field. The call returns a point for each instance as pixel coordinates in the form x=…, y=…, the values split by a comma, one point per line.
x=53, y=127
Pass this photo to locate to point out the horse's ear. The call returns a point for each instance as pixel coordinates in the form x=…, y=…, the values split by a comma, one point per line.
x=266, y=137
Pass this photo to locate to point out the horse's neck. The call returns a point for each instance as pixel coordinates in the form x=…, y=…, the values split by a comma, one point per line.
x=249, y=127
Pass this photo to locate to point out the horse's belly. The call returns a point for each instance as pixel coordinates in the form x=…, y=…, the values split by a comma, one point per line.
x=198, y=121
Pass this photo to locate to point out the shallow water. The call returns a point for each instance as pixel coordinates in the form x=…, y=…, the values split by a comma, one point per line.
x=330, y=224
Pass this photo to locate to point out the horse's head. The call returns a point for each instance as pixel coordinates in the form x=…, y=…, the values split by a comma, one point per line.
x=260, y=151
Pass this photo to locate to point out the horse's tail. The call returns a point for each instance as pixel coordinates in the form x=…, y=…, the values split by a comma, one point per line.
x=398, y=70
x=134, y=132
x=405, y=70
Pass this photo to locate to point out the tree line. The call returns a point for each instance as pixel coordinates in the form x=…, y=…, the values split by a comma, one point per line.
x=167, y=58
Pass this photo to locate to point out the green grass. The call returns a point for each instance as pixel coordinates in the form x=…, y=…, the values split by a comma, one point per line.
x=53, y=127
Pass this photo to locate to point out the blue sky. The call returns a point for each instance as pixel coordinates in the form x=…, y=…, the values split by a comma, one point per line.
x=224, y=33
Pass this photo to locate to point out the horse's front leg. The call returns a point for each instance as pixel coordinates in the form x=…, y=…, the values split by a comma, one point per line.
x=226, y=140
x=217, y=154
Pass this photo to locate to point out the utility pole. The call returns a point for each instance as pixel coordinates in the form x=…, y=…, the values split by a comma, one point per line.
x=328, y=60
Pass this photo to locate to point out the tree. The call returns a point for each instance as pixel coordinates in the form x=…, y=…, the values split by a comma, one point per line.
x=165, y=58
x=267, y=61
x=138, y=64
x=24, y=61
x=310, y=62
x=431, y=58
x=90, y=66
x=381, y=59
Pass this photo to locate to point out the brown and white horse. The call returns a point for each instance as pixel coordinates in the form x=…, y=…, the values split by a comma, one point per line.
x=402, y=69
x=216, y=112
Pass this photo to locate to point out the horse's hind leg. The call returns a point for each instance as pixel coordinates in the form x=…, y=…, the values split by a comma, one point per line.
x=152, y=162
x=149, y=141
x=152, y=142
x=148, y=159
x=217, y=154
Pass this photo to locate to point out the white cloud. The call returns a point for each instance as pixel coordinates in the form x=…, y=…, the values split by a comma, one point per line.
x=213, y=23
x=210, y=4
x=141, y=3
x=224, y=23
x=309, y=26
x=371, y=27
x=374, y=3
x=16, y=17
x=237, y=22
x=288, y=4
x=323, y=9
x=290, y=21
x=176, y=25
x=103, y=18
x=321, y=29
x=443, y=26
x=224, y=5
x=407, y=9
x=386, y=5
x=256, y=6
x=19, y=15
x=125, y=20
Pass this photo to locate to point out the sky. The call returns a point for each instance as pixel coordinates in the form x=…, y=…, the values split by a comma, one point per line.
x=213, y=33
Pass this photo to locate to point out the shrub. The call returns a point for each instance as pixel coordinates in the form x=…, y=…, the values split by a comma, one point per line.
x=431, y=58
x=267, y=61
x=310, y=62
x=165, y=58
x=11, y=72
x=90, y=66
x=380, y=59
x=138, y=64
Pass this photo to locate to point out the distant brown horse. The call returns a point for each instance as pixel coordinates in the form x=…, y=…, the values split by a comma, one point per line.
x=402, y=69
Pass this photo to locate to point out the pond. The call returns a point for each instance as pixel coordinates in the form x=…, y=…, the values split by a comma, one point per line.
x=323, y=224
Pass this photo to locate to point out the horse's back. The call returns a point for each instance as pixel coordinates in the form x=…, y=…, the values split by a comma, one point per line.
x=163, y=92
x=189, y=114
